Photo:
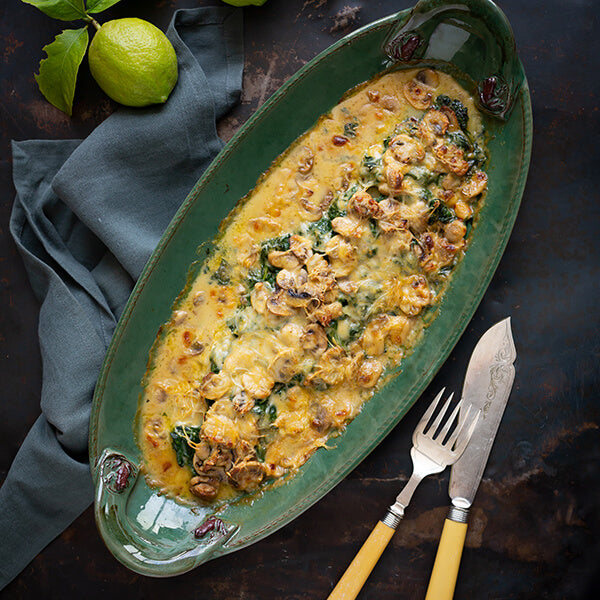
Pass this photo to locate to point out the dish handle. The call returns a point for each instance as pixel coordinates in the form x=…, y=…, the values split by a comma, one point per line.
x=116, y=510
x=456, y=32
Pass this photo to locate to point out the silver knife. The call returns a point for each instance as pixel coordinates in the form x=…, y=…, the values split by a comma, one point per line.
x=487, y=386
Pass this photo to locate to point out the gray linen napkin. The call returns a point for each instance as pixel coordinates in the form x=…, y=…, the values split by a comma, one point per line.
x=86, y=217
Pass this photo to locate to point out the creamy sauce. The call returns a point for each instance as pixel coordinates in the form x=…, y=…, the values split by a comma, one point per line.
x=322, y=281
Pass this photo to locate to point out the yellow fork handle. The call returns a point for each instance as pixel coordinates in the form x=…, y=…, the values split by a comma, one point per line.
x=447, y=561
x=362, y=565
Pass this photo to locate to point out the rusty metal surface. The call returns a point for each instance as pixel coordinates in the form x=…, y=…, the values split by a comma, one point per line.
x=535, y=526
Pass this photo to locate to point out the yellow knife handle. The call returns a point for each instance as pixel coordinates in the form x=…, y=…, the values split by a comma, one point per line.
x=362, y=565
x=447, y=559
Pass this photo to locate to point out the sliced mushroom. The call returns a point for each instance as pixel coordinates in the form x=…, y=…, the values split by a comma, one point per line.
x=330, y=369
x=244, y=451
x=307, y=158
x=327, y=313
x=199, y=298
x=436, y=121
x=242, y=402
x=277, y=304
x=219, y=459
x=316, y=265
x=415, y=295
x=286, y=280
x=428, y=77
x=285, y=365
x=448, y=197
x=201, y=453
x=451, y=181
x=364, y=205
x=418, y=94
x=303, y=297
x=179, y=317
x=215, y=385
x=455, y=231
x=219, y=427
x=204, y=487
x=425, y=134
x=383, y=326
x=393, y=181
x=321, y=420
x=247, y=475
x=462, y=210
x=321, y=277
x=372, y=340
x=390, y=103
x=392, y=218
x=405, y=149
x=373, y=95
x=301, y=247
x=259, y=297
x=348, y=227
x=285, y=259
x=453, y=157
x=369, y=373
x=475, y=186
x=313, y=211
x=257, y=383
x=342, y=256
x=314, y=339
x=398, y=328
x=453, y=124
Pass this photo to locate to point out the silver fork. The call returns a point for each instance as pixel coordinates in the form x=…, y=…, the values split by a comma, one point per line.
x=433, y=450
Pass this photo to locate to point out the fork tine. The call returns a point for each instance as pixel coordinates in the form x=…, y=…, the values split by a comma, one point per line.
x=425, y=418
x=441, y=414
x=449, y=422
x=462, y=444
x=459, y=428
x=464, y=437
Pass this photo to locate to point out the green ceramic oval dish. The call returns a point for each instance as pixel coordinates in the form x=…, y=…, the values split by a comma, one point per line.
x=154, y=535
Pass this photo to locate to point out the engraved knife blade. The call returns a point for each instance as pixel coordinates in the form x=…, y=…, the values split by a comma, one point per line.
x=487, y=386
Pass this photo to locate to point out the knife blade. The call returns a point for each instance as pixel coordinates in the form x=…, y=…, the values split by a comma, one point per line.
x=488, y=383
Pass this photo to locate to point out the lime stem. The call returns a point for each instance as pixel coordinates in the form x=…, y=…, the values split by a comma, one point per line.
x=93, y=21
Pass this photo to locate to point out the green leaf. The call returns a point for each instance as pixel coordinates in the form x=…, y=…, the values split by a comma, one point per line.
x=65, y=10
x=58, y=72
x=181, y=437
x=96, y=6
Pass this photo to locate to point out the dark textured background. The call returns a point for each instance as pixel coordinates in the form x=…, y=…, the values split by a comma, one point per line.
x=535, y=527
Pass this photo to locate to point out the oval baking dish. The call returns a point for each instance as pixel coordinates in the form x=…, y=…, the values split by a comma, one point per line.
x=154, y=535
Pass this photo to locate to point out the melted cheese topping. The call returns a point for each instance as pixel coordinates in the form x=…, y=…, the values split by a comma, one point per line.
x=322, y=281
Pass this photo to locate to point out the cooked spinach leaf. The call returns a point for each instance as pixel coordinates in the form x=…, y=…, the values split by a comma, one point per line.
x=343, y=332
x=460, y=110
x=458, y=138
x=180, y=438
x=272, y=412
x=440, y=212
x=281, y=243
x=222, y=275
x=350, y=129
x=322, y=229
x=371, y=163
x=265, y=270
x=261, y=452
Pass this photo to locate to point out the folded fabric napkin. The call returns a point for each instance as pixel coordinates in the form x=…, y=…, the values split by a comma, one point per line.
x=86, y=217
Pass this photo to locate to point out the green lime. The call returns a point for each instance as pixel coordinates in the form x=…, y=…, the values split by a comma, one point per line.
x=133, y=62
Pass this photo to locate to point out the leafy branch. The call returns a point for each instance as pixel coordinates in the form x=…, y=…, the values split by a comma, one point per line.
x=58, y=72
